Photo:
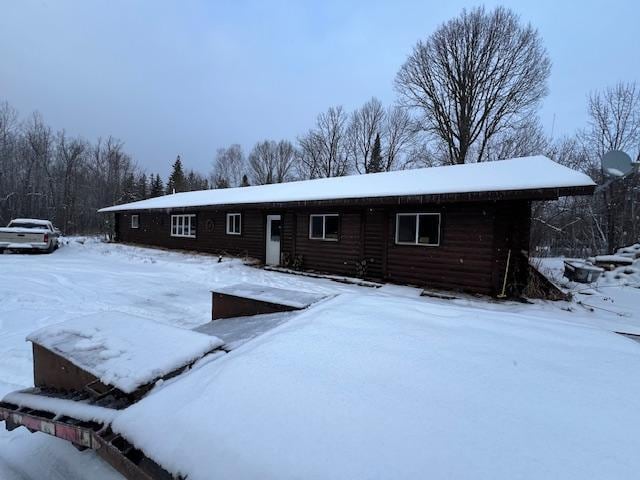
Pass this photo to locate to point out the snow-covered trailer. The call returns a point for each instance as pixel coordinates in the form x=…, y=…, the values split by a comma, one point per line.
x=88, y=369
x=460, y=227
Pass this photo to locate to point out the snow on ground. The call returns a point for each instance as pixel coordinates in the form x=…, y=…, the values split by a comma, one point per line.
x=371, y=386
x=613, y=300
x=87, y=277
x=374, y=383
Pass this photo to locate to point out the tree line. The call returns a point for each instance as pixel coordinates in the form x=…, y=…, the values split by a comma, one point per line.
x=47, y=174
x=469, y=92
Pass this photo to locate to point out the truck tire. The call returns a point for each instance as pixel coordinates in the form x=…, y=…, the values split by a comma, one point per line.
x=50, y=248
x=2, y=250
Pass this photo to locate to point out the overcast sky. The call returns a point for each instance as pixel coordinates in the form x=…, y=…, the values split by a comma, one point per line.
x=188, y=77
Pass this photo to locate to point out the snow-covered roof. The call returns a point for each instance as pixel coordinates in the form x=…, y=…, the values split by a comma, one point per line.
x=526, y=173
x=124, y=350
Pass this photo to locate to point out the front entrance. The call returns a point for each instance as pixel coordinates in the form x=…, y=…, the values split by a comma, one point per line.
x=272, y=256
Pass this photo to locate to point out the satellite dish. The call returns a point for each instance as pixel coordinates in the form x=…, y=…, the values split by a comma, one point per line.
x=616, y=164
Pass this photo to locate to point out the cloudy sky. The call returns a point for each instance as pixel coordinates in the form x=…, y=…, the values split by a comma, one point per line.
x=188, y=77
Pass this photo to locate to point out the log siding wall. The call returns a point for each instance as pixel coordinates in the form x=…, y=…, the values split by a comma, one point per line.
x=155, y=229
x=474, y=240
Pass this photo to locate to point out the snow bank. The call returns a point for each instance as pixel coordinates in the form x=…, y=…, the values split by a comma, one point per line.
x=264, y=293
x=375, y=386
x=515, y=174
x=124, y=350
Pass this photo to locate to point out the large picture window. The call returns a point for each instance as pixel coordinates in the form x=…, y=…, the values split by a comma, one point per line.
x=324, y=227
x=135, y=221
x=234, y=226
x=183, y=226
x=418, y=229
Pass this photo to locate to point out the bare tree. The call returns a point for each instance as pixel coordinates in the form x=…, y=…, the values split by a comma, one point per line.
x=9, y=164
x=229, y=167
x=285, y=161
x=271, y=162
x=262, y=161
x=365, y=123
x=614, y=124
x=473, y=77
x=70, y=158
x=55, y=176
x=399, y=137
x=614, y=119
x=520, y=139
x=323, y=150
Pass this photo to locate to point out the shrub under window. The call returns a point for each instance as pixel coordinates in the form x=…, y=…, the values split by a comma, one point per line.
x=324, y=227
x=418, y=229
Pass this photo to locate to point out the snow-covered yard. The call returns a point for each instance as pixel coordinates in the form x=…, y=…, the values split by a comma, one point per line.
x=372, y=383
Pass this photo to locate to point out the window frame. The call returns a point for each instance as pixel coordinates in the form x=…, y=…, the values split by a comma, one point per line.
x=137, y=221
x=416, y=243
x=238, y=222
x=182, y=220
x=324, y=227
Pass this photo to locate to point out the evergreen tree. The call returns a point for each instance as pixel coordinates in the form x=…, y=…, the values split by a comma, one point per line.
x=192, y=181
x=375, y=162
x=245, y=181
x=129, y=193
x=220, y=182
x=157, y=187
x=143, y=190
x=176, y=182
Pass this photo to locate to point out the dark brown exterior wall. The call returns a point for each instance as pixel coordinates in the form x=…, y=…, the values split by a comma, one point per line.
x=464, y=259
x=155, y=229
x=339, y=257
x=512, y=227
x=474, y=241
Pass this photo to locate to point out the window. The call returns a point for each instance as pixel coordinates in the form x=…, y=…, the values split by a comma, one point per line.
x=233, y=224
x=275, y=230
x=183, y=226
x=324, y=227
x=135, y=221
x=418, y=229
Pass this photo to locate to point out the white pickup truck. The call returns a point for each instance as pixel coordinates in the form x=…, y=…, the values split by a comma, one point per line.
x=29, y=234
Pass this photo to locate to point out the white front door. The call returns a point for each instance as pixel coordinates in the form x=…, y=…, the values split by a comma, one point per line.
x=273, y=240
